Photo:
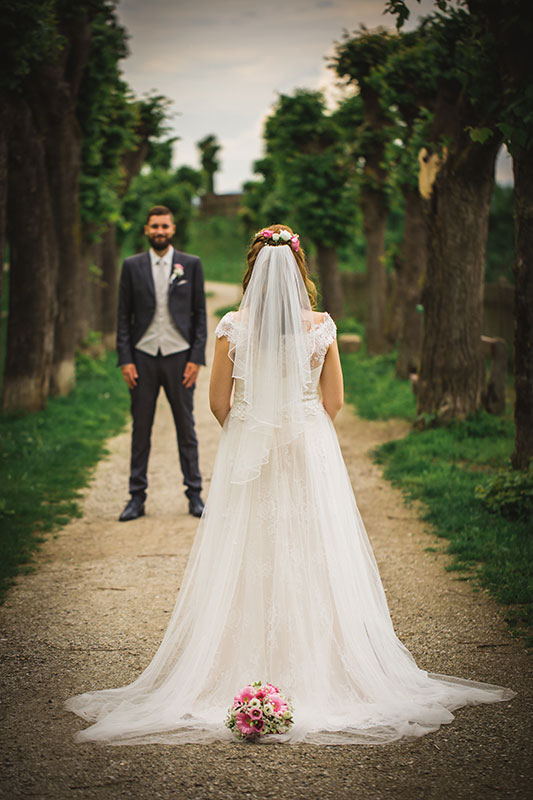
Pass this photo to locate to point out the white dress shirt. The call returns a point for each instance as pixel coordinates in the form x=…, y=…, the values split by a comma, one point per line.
x=162, y=333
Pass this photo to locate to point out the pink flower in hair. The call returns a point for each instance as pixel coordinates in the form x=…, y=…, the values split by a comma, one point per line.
x=267, y=233
x=295, y=243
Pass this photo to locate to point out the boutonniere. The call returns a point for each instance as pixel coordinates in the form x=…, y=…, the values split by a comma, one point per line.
x=177, y=272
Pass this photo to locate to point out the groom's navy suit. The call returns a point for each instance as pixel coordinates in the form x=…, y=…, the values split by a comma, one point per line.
x=136, y=310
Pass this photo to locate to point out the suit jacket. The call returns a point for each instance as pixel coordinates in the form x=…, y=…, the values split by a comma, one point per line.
x=136, y=304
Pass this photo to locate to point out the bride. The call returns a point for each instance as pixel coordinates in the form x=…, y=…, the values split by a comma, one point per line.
x=281, y=583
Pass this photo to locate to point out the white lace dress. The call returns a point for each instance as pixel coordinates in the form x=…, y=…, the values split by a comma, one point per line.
x=282, y=586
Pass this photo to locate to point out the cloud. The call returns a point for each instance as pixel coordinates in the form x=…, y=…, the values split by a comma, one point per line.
x=223, y=63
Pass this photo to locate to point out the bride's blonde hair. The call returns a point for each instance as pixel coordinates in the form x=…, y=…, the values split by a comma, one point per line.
x=257, y=244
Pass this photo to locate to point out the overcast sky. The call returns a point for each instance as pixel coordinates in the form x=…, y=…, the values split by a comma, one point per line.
x=223, y=63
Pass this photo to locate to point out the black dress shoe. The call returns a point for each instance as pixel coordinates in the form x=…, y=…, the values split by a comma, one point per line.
x=133, y=510
x=196, y=505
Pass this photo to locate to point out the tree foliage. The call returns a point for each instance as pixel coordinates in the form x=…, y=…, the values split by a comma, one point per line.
x=311, y=171
x=174, y=188
x=495, y=74
x=209, y=149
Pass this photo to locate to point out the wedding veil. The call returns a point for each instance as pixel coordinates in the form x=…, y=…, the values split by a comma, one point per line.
x=270, y=354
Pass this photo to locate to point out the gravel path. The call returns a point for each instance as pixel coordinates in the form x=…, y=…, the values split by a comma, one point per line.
x=94, y=611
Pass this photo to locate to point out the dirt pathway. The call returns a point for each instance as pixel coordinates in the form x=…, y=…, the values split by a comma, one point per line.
x=94, y=611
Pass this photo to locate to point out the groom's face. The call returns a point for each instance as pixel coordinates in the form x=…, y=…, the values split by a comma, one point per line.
x=160, y=230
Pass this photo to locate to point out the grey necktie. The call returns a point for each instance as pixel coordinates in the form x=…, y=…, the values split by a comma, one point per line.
x=161, y=277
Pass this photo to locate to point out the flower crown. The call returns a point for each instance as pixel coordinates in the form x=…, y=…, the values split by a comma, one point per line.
x=283, y=237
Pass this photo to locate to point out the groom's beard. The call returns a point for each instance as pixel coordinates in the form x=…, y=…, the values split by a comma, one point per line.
x=159, y=242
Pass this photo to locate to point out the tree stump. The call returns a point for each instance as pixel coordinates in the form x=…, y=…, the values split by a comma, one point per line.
x=349, y=343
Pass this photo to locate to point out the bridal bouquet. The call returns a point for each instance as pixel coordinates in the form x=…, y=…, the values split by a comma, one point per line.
x=258, y=709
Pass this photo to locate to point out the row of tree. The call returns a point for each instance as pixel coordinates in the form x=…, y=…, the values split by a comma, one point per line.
x=429, y=112
x=73, y=140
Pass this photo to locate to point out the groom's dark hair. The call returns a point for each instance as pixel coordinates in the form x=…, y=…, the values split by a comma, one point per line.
x=159, y=211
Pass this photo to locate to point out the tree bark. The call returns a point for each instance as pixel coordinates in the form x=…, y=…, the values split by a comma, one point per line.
x=71, y=319
x=523, y=336
x=4, y=126
x=33, y=269
x=330, y=281
x=451, y=371
x=374, y=210
x=412, y=263
x=61, y=87
x=52, y=94
x=104, y=288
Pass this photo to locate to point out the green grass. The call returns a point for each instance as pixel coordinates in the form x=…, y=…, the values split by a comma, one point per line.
x=46, y=458
x=219, y=312
x=220, y=243
x=442, y=468
x=370, y=384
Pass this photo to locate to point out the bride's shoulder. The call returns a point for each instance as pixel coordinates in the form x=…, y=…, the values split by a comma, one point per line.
x=322, y=319
x=226, y=325
x=325, y=331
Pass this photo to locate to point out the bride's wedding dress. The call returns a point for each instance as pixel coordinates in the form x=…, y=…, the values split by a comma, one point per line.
x=281, y=586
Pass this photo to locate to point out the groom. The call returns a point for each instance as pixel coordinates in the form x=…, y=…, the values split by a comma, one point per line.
x=161, y=336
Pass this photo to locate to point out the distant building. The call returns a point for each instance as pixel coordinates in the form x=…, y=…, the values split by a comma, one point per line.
x=220, y=205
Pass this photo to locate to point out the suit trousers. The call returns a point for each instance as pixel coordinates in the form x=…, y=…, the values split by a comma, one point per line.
x=154, y=372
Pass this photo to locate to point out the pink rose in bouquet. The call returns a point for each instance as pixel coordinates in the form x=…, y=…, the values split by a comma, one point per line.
x=244, y=695
x=245, y=723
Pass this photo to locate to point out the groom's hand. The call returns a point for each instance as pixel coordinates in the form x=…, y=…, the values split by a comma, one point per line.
x=130, y=374
x=190, y=374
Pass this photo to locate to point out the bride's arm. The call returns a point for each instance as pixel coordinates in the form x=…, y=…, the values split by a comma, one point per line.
x=221, y=382
x=331, y=384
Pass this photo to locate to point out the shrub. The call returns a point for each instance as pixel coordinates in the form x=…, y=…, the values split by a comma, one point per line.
x=509, y=493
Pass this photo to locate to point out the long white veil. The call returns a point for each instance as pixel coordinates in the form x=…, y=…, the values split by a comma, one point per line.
x=270, y=354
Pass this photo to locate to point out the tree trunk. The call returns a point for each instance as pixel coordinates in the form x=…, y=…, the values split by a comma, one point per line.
x=64, y=166
x=412, y=260
x=106, y=288
x=374, y=210
x=451, y=371
x=104, y=255
x=393, y=313
x=52, y=93
x=4, y=126
x=330, y=281
x=33, y=269
x=523, y=337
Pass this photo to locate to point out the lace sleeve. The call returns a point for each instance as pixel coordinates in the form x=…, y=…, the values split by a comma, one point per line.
x=225, y=327
x=325, y=334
